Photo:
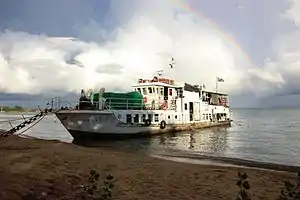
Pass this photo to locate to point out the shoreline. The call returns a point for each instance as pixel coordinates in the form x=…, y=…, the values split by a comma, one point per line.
x=42, y=164
x=180, y=155
x=227, y=161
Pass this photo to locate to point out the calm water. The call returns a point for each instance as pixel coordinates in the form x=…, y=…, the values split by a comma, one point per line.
x=260, y=135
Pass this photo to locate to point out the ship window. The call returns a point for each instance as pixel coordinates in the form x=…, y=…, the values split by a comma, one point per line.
x=169, y=117
x=156, y=118
x=180, y=93
x=144, y=91
x=150, y=117
x=175, y=116
x=157, y=91
x=136, y=118
x=206, y=116
x=143, y=118
x=139, y=90
x=161, y=91
x=170, y=92
x=150, y=90
x=185, y=106
x=128, y=119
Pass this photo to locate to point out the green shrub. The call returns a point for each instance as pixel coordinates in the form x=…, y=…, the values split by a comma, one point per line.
x=92, y=190
x=244, y=186
x=290, y=191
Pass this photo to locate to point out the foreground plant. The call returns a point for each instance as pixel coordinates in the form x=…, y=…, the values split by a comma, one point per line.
x=107, y=187
x=92, y=190
x=290, y=191
x=32, y=195
x=244, y=186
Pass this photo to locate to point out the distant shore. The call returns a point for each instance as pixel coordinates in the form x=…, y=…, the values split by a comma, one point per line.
x=15, y=110
x=18, y=112
x=52, y=165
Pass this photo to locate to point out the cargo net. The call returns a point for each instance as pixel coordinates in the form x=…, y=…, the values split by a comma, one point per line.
x=18, y=126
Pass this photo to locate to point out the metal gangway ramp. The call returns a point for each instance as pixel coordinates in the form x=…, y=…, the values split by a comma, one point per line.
x=52, y=106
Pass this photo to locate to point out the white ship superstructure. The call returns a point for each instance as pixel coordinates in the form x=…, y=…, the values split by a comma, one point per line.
x=157, y=105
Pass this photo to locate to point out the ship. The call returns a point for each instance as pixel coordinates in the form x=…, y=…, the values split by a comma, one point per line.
x=157, y=105
x=1, y=109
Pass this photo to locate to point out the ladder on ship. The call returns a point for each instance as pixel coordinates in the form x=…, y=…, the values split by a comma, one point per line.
x=30, y=120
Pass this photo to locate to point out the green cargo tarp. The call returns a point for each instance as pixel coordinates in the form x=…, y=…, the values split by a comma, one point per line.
x=95, y=97
x=124, y=101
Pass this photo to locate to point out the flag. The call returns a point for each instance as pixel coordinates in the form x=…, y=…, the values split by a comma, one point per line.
x=172, y=63
x=220, y=79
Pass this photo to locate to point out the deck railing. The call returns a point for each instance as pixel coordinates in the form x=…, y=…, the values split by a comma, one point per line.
x=122, y=104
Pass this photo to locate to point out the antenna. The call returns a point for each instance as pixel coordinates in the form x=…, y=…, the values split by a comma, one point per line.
x=172, y=63
x=160, y=72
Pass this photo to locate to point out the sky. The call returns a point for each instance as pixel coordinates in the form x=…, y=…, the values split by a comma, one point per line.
x=55, y=48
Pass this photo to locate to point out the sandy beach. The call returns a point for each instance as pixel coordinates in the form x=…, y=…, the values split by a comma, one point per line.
x=55, y=168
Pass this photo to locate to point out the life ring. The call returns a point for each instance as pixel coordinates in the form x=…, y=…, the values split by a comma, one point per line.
x=147, y=122
x=163, y=124
x=164, y=106
x=145, y=99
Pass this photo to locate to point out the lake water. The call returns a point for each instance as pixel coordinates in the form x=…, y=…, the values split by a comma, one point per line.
x=270, y=135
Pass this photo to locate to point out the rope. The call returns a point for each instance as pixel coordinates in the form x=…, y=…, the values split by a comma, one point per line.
x=237, y=123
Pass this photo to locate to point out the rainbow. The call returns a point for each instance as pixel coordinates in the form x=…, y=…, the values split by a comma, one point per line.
x=228, y=38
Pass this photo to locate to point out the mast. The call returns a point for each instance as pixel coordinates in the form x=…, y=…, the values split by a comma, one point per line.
x=218, y=79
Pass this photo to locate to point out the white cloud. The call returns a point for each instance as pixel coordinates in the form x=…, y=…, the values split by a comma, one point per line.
x=38, y=64
x=293, y=13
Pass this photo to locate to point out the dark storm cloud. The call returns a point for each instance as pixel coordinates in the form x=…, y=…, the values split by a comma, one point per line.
x=55, y=17
x=34, y=101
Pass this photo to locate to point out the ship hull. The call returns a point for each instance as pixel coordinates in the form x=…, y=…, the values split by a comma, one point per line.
x=89, y=125
x=85, y=135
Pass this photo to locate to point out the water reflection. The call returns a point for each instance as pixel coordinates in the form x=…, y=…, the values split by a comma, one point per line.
x=200, y=141
x=206, y=141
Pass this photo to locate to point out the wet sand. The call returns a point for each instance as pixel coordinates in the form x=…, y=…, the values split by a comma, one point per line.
x=225, y=161
x=56, y=166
